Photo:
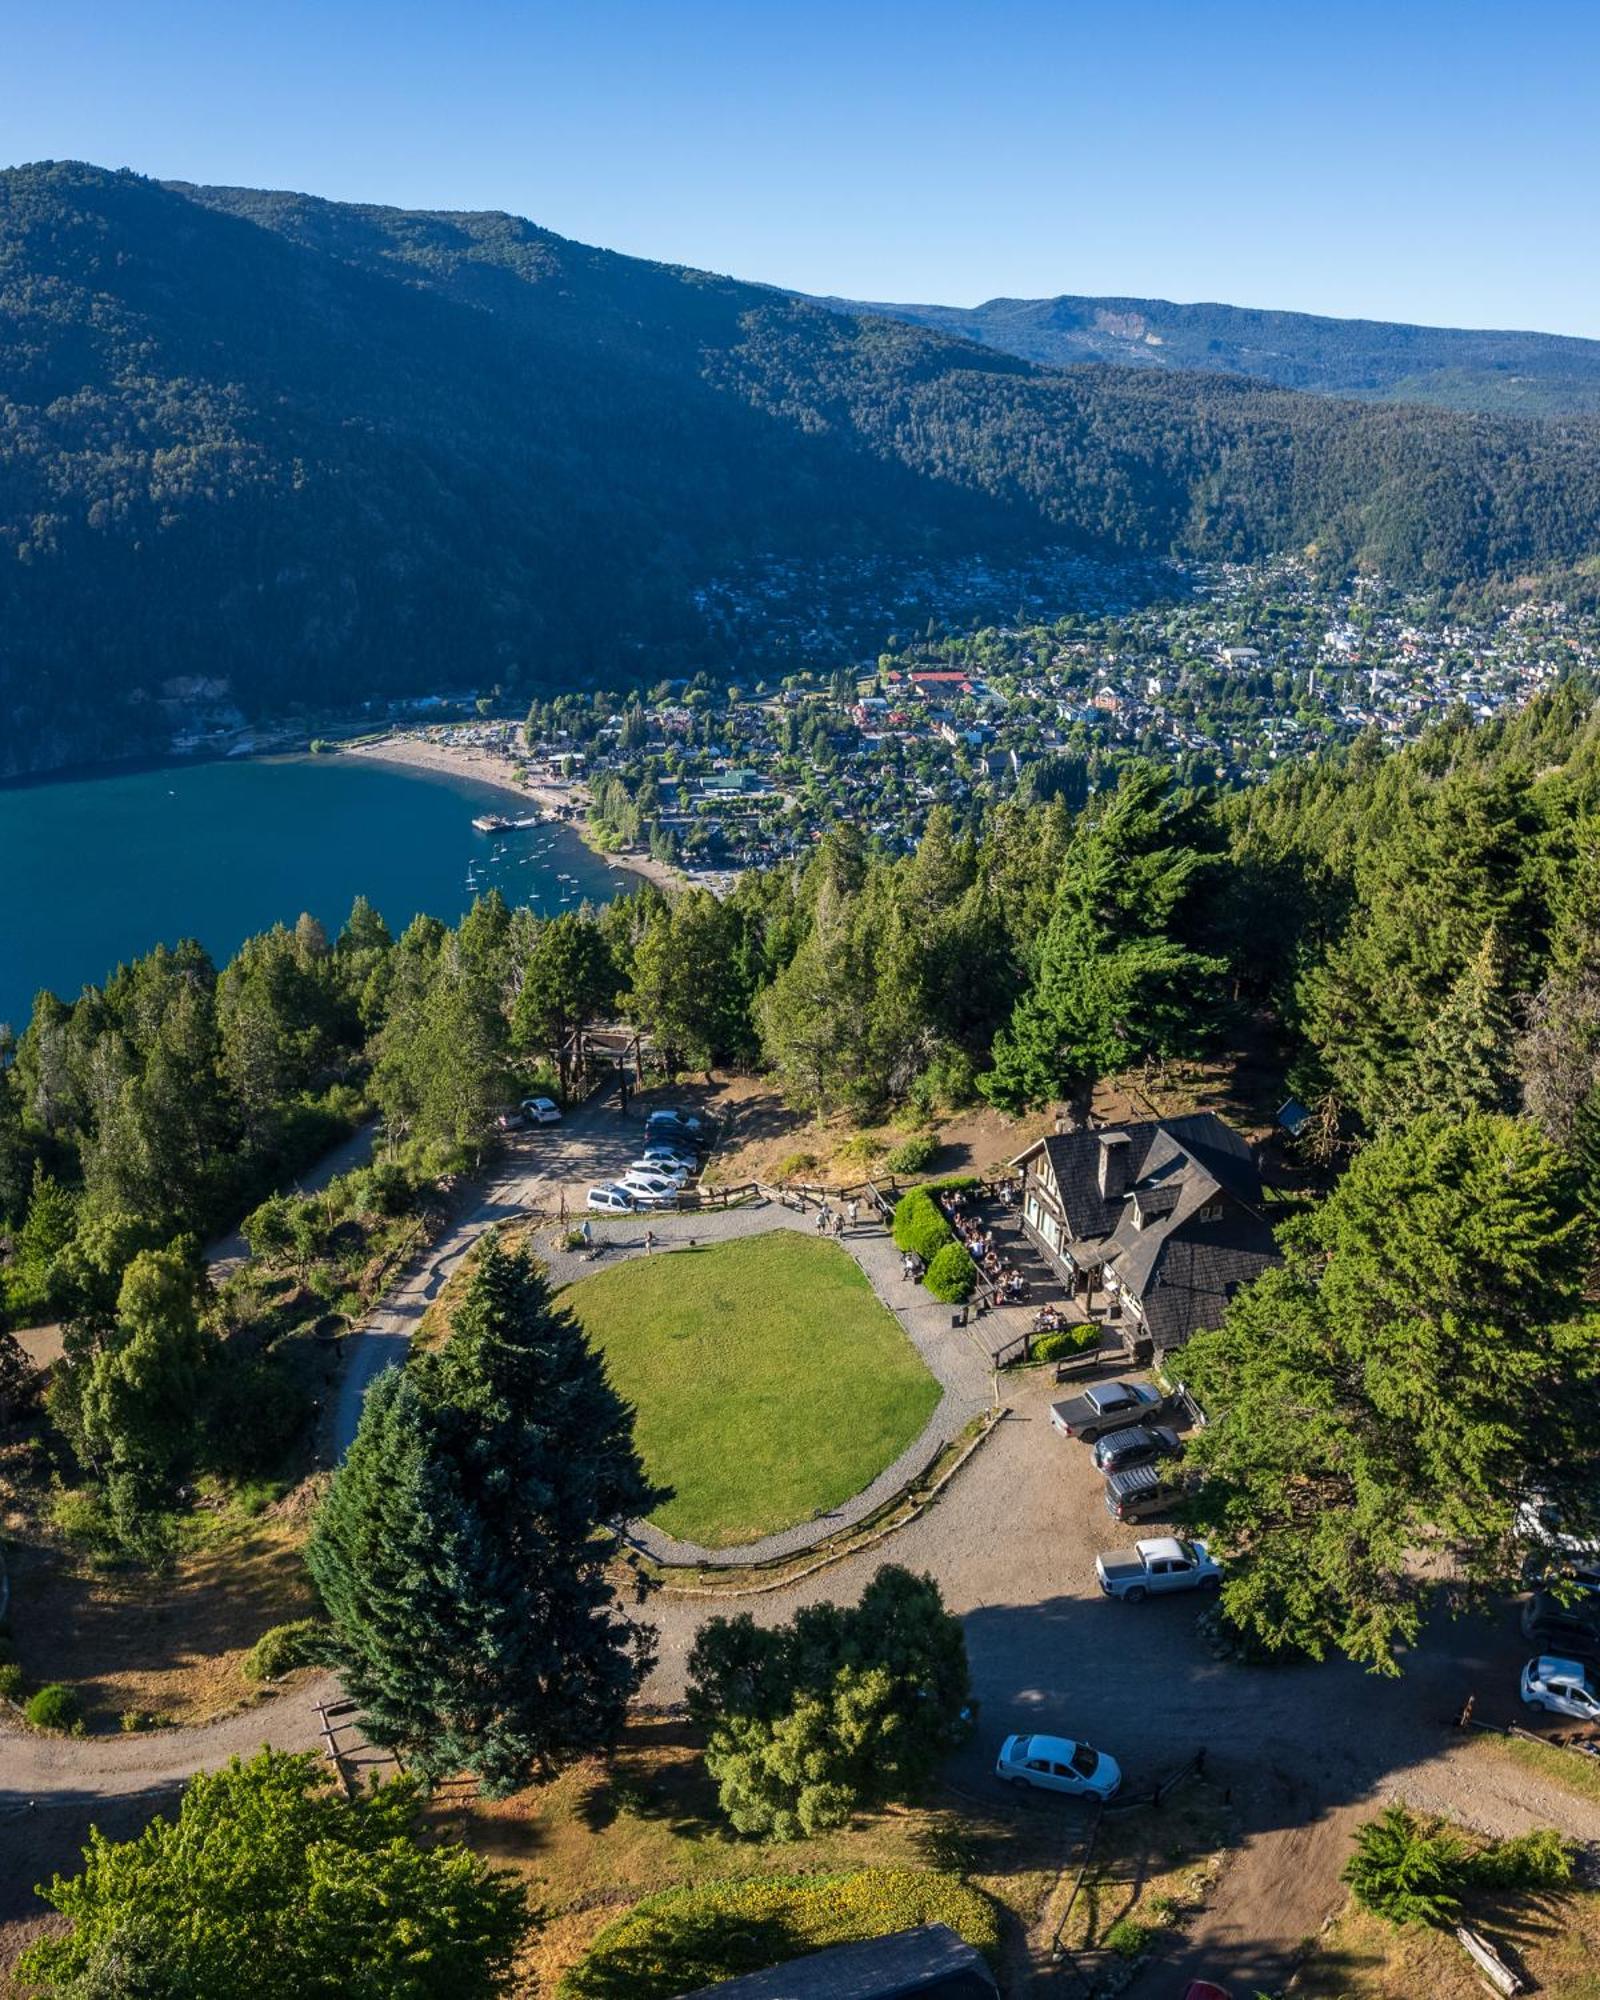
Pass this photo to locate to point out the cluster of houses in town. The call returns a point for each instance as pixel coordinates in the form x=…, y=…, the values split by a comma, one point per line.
x=1221, y=673
x=1250, y=667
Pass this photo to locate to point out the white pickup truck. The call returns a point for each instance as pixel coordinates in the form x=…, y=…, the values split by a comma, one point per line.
x=1151, y=1567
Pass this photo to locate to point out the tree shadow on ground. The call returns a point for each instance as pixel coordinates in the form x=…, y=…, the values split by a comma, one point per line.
x=699, y=1949
x=658, y=1775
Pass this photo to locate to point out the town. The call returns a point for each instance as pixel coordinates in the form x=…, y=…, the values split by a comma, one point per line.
x=1246, y=669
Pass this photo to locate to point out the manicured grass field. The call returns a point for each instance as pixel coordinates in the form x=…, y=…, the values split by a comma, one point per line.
x=769, y=1381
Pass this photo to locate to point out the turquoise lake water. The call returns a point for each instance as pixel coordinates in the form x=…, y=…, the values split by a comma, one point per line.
x=99, y=870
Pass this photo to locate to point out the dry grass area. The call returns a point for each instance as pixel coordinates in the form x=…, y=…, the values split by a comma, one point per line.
x=155, y=1645
x=610, y=1831
x=1569, y=1769
x=1151, y=1871
x=763, y=1139
x=1554, y=1941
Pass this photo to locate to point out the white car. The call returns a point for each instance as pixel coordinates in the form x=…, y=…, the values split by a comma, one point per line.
x=541, y=1111
x=657, y=1170
x=670, y=1159
x=1162, y=1564
x=1561, y=1686
x=611, y=1200
x=649, y=1190
x=1541, y=1522
x=1057, y=1764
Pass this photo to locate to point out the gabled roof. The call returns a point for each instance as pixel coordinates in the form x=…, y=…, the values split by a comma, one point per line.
x=931, y=1963
x=1193, y=1148
x=1180, y=1264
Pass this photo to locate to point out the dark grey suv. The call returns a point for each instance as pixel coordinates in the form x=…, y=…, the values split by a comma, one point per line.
x=1139, y=1445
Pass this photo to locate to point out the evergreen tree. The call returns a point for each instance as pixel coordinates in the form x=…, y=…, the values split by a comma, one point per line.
x=1463, y=1063
x=567, y=977
x=1445, y=864
x=1389, y=1387
x=841, y=1709
x=462, y=1550
x=33, y=1281
x=1114, y=979
x=685, y=988
x=270, y=1882
x=134, y=1408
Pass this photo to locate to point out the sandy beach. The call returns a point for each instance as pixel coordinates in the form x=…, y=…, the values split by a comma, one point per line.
x=495, y=768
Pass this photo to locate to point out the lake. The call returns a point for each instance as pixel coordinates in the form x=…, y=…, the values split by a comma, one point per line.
x=100, y=870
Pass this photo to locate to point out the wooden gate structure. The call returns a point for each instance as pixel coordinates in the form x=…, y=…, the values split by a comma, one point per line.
x=605, y=1048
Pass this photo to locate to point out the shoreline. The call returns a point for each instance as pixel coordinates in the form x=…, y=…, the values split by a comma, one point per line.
x=497, y=771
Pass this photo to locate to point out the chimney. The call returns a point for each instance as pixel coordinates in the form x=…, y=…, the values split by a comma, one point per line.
x=1113, y=1164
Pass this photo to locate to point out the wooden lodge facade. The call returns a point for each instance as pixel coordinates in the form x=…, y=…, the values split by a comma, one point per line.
x=1162, y=1218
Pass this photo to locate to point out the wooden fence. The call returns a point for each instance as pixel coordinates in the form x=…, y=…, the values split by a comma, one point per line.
x=1156, y=1797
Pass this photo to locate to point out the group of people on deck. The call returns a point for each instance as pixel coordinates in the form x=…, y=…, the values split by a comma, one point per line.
x=981, y=1247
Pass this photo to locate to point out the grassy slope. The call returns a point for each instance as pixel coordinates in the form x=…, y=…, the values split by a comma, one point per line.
x=770, y=1383
x=1557, y=1939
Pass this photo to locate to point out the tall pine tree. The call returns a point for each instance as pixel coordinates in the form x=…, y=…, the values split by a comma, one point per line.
x=1115, y=979
x=462, y=1551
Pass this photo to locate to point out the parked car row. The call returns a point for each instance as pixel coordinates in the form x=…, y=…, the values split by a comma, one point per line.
x=1562, y=1618
x=674, y=1145
x=1131, y=1450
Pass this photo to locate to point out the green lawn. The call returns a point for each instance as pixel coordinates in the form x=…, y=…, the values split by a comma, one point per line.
x=770, y=1382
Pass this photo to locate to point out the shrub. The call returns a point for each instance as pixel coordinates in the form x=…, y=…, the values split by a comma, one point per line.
x=390, y=1190
x=1527, y=1861
x=919, y=1227
x=793, y=1165
x=687, y=1938
x=912, y=1155
x=1408, y=1870
x=82, y=1517
x=952, y=1275
x=950, y=1079
x=281, y=1649
x=54, y=1707
x=1127, y=1938
x=859, y=1150
x=10, y=1681
x=1070, y=1340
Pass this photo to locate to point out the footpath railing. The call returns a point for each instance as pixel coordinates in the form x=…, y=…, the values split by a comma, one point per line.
x=802, y=1196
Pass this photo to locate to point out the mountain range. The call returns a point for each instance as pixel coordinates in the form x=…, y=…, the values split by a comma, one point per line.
x=324, y=451
x=1454, y=368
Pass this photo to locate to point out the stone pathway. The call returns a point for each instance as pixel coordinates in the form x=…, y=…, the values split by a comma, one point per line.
x=953, y=1357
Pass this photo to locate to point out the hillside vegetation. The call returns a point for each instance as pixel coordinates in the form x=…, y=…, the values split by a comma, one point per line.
x=1455, y=368
x=324, y=451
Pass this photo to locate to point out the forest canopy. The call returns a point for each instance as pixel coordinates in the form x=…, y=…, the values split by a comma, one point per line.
x=321, y=453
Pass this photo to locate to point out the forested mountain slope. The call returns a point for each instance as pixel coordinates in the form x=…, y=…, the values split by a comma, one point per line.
x=1455, y=368
x=326, y=451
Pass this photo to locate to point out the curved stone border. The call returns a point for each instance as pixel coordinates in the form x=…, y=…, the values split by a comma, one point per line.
x=955, y=1363
x=917, y=1505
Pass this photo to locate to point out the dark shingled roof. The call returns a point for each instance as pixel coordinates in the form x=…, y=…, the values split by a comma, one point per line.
x=931, y=1963
x=1181, y=1266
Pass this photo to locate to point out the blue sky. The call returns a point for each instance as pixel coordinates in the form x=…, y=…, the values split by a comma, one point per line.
x=1407, y=161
